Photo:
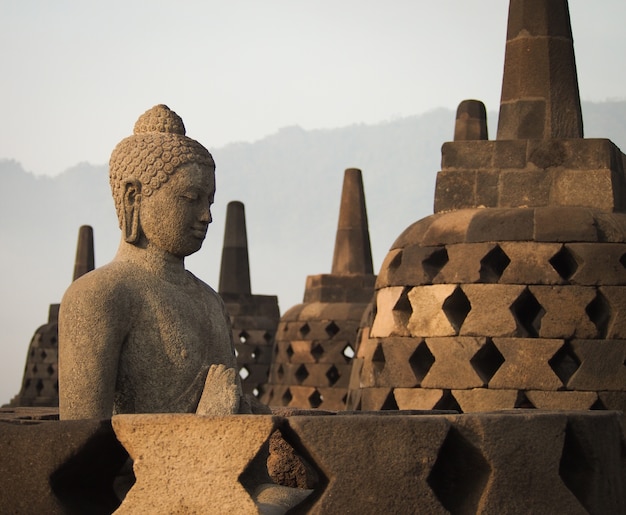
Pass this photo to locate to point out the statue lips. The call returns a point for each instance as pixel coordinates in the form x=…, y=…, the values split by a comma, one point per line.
x=199, y=231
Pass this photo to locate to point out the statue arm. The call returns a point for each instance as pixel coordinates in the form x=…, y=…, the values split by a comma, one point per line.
x=91, y=333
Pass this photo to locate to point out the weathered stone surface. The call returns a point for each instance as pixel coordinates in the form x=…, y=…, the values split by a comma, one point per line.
x=59, y=467
x=561, y=400
x=564, y=224
x=235, y=267
x=592, y=188
x=375, y=399
x=449, y=227
x=392, y=316
x=501, y=225
x=485, y=399
x=463, y=264
x=530, y=263
x=614, y=311
x=452, y=368
x=555, y=479
x=526, y=364
x=391, y=480
x=471, y=121
x=598, y=263
x=486, y=316
x=602, y=365
x=417, y=398
x=191, y=464
x=392, y=362
x=565, y=315
x=524, y=188
x=428, y=317
x=455, y=190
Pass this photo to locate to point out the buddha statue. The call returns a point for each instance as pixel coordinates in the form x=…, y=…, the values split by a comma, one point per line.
x=142, y=334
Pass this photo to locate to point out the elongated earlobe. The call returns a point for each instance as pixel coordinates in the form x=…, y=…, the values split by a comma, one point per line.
x=130, y=213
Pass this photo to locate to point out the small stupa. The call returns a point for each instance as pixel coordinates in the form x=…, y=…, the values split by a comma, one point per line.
x=315, y=340
x=40, y=384
x=254, y=318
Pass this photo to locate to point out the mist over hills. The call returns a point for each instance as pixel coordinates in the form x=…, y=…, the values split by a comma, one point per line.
x=290, y=183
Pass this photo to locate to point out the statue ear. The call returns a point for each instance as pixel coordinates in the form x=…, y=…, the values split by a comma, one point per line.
x=130, y=212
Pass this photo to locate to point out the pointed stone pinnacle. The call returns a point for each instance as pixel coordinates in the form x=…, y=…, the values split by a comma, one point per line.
x=353, y=253
x=235, y=269
x=84, y=252
x=540, y=98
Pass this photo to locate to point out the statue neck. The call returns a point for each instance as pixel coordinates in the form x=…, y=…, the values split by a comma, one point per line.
x=162, y=264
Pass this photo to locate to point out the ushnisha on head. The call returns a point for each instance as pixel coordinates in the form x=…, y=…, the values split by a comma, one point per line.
x=146, y=160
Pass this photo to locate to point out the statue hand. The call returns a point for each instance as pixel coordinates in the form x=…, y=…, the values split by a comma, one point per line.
x=221, y=393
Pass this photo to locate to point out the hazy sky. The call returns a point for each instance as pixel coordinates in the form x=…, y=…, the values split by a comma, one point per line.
x=76, y=74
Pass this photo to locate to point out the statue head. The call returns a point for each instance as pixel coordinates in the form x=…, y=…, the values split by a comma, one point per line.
x=141, y=164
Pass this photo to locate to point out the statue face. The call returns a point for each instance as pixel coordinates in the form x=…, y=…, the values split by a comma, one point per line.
x=176, y=216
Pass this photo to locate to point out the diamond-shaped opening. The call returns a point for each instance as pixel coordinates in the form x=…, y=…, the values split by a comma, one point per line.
x=315, y=399
x=331, y=329
x=527, y=313
x=402, y=308
x=267, y=336
x=378, y=358
x=317, y=351
x=565, y=263
x=289, y=351
x=390, y=403
x=459, y=475
x=421, y=361
x=301, y=374
x=56, y=386
x=348, y=352
x=622, y=260
x=456, y=307
x=599, y=312
x=43, y=354
x=256, y=352
x=236, y=352
x=576, y=469
x=448, y=403
x=287, y=397
x=243, y=337
x=39, y=386
x=53, y=340
x=304, y=329
x=244, y=373
x=290, y=465
x=50, y=370
x=435, y=262
x=487, y=361
x=35, y=369
x=333, y=375
x=522, y=401
x=396, y=261
x=280, y=372
x=598, y=405
x=256, y=392
x=493, y=265
x=564, y=363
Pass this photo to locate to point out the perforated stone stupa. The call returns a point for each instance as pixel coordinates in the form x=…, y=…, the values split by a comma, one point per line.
x=315, y=340
x=513, y=293
x=40, y=384
x=254, y=318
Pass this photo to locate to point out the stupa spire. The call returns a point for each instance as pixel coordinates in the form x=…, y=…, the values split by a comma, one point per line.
x=540, y=98
x=235, y=268
x=353, y=253
x=84, y=261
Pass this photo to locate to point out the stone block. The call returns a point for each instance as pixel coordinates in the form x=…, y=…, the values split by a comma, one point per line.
x=471, y=121
x=561, y=400
x=59, y=467
x=467, y=155
x=510, y=154
x=558, y=477
x=530, y=263
x=392, y=313
x=388, y=275
x=452, y=368
x=394, y=479
x=526, y=364
x=417, y=398
x=590, y=188
x=612, y=311
x=601, y=365
x=565, y=311
x=414, y=232
x=564, y=224
x=421, y=264
x=501, y=225
x=523, y=119
x=428, y=317
x=374, y=399
x=464, y=263
x=485, y=399
x=524, y=188
x=598, y=263
x=188, y=463
x=487, y=188
x=401, y=362
x=455, y=189
x=450, y=227
x=490, y=312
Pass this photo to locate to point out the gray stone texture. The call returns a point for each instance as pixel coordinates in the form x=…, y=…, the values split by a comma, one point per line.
x=471, y=121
